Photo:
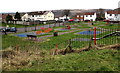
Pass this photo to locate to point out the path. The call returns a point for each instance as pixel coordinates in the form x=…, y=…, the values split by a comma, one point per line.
x=40, y=38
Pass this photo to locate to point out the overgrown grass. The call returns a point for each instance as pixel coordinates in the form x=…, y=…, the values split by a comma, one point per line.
x=93, y=60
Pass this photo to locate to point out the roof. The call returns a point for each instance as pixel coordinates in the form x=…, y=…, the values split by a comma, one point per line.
x=37, y=13
x=78, y=17
x=89, y=13
x=113, y=12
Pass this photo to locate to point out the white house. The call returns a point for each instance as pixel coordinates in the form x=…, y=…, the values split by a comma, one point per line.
x=90, y=16
x=40, y=15
x=0, y=18
x=112, y=15
x=63, y=18
x=79, y=16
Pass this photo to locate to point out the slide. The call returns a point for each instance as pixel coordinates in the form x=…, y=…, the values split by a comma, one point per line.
x=111, y=34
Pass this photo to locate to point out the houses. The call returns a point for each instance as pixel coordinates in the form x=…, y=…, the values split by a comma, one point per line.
x=79, y=17
x=90, y=16
x=112, y=15
x=38, y=16
x=0, y=18
x=63, y=18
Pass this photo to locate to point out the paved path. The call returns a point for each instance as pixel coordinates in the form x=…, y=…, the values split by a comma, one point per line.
x=61, y=33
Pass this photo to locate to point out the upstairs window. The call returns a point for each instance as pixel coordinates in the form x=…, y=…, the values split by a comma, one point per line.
x=32, y=15
x=116, y=14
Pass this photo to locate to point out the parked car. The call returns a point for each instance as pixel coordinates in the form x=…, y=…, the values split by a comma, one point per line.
x=76, y=20
x=106, y=20
x=87, y=20
x=71, y=20
x=9, y=29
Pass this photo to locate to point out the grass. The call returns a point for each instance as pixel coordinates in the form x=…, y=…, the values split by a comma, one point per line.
x=10, y=40
x=93, y=60
x=61, y=40
x=106, y=26
x=110, y=26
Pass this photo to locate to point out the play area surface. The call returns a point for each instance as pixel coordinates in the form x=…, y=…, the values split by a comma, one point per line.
x=28, y=33
x=89, y=32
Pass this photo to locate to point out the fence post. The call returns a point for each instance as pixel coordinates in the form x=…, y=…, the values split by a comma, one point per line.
x=95, y=36
x=56, y=45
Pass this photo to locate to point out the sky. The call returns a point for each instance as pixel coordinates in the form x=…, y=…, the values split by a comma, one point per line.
x=40, y=5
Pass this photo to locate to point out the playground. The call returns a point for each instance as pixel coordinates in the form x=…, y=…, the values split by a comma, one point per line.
x=72, y=42
x=65, y=33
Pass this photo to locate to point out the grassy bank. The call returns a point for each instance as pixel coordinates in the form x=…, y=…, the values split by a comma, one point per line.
x=93, y=60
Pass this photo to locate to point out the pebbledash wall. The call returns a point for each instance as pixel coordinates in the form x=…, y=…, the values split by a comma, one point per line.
x=90, y=17
x=0, y=52
x=119, y=7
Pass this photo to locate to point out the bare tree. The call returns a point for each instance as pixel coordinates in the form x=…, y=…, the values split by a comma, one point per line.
x=66, y=13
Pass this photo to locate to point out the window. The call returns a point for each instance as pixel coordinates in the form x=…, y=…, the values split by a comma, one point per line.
x=116, y=15
x=32, y=15
x=86, y=15
x=90, y=15
x=91, y=19
x=110, y=14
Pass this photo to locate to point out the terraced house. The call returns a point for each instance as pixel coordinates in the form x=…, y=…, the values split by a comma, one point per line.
x=79, y=16
x=112, y=15
x=90, y=16
x=38, y=16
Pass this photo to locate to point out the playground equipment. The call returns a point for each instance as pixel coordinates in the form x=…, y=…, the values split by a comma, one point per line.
x=111, y=34
x=38, y=32
x=44, y=30
x=67, y=27
x=32, y=36
x=55, y=33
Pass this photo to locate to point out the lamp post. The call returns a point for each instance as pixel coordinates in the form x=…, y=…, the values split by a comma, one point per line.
x=34, y=24
x=25, y=27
